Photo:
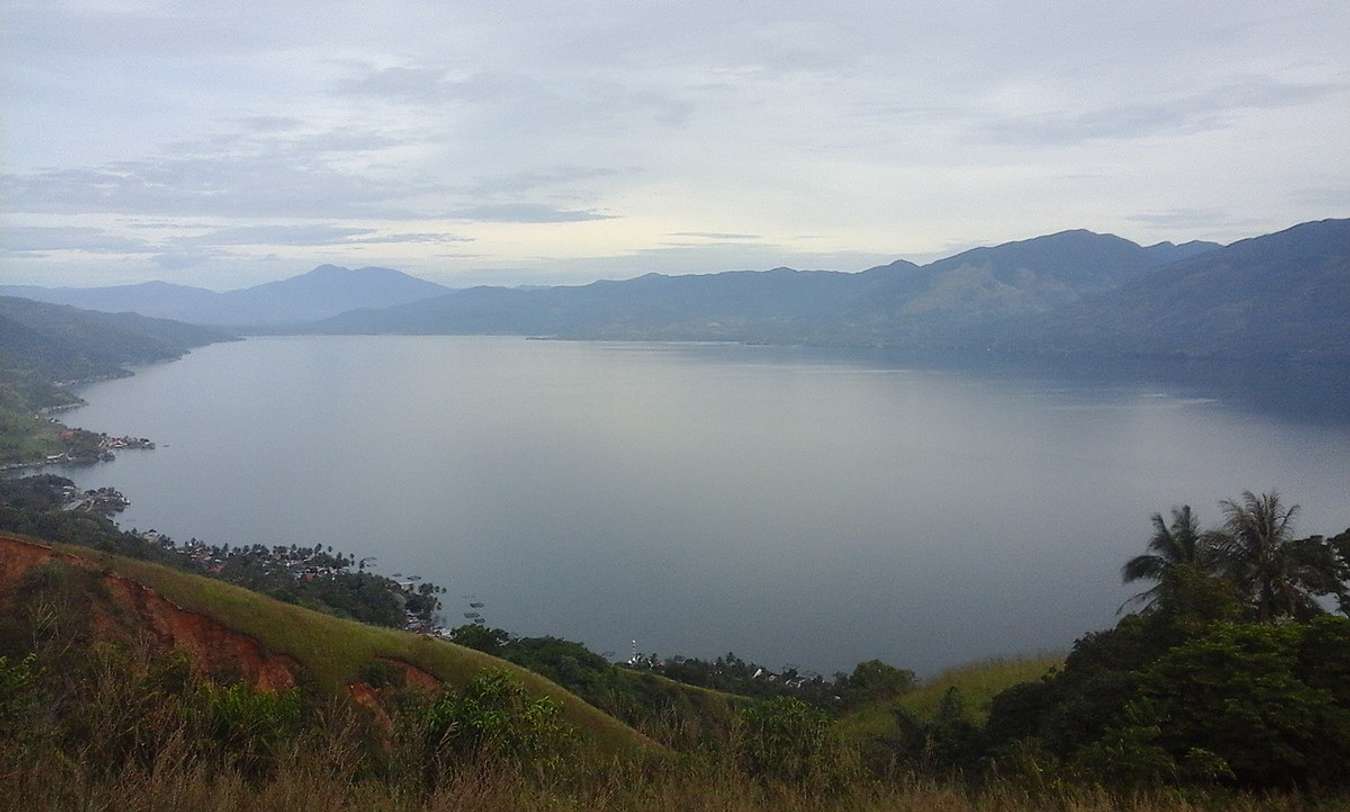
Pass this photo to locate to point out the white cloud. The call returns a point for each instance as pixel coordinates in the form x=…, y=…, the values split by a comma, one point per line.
x=596, y=134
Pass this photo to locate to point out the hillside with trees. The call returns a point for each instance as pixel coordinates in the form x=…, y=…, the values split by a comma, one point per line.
x=44, y=348
x=1226, y=688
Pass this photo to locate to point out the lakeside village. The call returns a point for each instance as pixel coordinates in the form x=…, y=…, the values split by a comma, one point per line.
x=83, y=446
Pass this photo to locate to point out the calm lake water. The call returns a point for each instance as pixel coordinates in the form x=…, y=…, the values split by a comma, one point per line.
x=789, y=505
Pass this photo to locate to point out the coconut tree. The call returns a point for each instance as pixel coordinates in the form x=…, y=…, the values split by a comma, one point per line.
x=1277, y=575
x=1180, y=543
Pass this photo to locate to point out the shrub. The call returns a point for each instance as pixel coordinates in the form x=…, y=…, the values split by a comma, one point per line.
x=249, y=724
x=874, y=680
x=948, y=741
x=1238, y=693
x=788, y=740
x=496, y=717
x=16, y=684
x=379, y=674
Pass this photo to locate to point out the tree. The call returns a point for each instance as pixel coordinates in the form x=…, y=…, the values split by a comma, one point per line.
x=1276, y=575
x=873, y=680
x=1181, y=543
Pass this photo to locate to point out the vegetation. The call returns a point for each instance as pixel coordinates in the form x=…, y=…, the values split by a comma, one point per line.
x=1227, y=690
x=313, y=577
x=977, y=684
x=331, y=652
x=45, y=347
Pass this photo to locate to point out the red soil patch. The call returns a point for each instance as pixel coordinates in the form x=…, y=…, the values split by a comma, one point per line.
x=17, y=558
x=415, y=677
x=212, y=647
x=368, y=698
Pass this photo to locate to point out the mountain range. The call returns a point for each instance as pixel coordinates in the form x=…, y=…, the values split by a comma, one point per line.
x=1286, y=294
x=1283, y=295
x=954, y=300
x=321, y=293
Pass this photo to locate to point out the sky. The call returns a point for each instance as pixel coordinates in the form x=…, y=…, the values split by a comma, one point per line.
x=228, y=144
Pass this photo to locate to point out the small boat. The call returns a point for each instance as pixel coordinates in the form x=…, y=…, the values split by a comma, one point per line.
x=476, y=605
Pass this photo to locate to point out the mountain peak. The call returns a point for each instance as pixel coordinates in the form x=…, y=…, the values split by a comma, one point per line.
x=324, y=270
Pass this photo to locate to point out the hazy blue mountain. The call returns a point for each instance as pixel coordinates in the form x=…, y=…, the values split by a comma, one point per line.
x=1282, y=294
x=1030, y=276
x=896, y=303
x=1165, y=252
x=776, y=305
x=323, y=292
x=62, y=342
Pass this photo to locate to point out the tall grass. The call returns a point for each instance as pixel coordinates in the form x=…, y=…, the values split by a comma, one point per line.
x=125, y=727
x=307, y=781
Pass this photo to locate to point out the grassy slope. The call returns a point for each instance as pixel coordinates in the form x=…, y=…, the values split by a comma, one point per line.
x=25, y=437
x=333, y=650
x=978, y=682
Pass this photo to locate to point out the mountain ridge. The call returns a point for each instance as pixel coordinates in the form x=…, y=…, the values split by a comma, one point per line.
x=876, y=306
x=1286, y=292
x=322, y=292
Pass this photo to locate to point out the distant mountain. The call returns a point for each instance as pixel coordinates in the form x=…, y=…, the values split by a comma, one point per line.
x=899, y=303
x=321, y=293
x=1284, y=294
x=58, y=342
x=1165, y=252
x=1033, y=276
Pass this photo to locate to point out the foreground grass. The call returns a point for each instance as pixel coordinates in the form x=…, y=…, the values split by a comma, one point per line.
x=313, y=782
x=979, y=682
x=332, y=651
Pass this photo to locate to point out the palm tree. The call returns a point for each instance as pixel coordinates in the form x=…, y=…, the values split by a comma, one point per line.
x=1180, y=543
x=1276, y=574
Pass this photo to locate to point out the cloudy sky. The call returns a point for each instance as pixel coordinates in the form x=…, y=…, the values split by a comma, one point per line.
x=508, y=142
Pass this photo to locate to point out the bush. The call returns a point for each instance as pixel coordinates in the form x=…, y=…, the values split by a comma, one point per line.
x=949, y=741
x=16, y=684
x=249, y=724
x=874, y=680
x=1239, y=693
x=496, y=717
x=786, y=739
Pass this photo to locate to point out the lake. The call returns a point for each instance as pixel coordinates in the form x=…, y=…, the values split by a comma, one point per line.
x=790, y=505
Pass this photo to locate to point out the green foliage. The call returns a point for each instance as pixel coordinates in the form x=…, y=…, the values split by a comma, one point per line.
x=1238, y=692
x=1272, y=573
x=17, y=681
x=1180, y=543
x=494, y=716
x=678, y=715
x=785, y=739
x=482, y=638
x=248, y=723
x=873, y=680
x=947, y=741
x=379, y=675
x=1277, y=575
x=1155, y=701
x=33, y=506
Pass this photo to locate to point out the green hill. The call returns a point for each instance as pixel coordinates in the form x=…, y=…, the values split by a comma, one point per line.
x=45, y=345
x=57, y=342
x=331, y=652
